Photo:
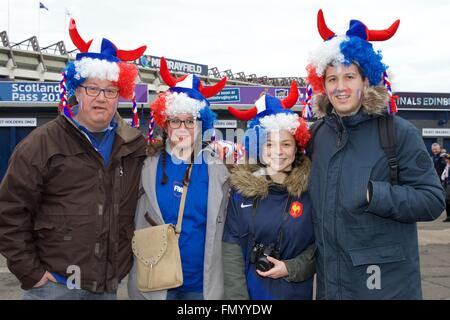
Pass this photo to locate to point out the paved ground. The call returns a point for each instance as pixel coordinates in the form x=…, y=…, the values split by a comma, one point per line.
x=434, y=238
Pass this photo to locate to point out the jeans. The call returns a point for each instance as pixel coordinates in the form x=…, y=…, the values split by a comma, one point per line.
x=180, y=295
x=57, y=291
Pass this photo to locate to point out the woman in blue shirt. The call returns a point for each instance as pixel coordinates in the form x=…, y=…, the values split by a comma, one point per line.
x=268, y=238
x=183, y=114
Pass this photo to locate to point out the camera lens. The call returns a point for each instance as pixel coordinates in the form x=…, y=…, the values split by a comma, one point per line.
x=263, y=264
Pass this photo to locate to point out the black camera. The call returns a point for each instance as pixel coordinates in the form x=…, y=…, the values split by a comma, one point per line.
x=258, y=256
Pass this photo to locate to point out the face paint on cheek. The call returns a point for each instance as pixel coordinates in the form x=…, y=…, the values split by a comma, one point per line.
x=359, y=93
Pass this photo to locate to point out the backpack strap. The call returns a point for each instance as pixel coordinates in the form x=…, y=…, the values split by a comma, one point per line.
x=386, y=130
x=313, y=131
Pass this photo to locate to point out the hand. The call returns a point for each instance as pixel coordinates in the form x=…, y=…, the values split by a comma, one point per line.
x=279, y=269
x=46, y=277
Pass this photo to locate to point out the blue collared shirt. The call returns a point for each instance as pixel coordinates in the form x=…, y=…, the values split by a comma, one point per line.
x=103, y=147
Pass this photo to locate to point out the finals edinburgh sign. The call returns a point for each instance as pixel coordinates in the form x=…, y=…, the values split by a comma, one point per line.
x=419, y=101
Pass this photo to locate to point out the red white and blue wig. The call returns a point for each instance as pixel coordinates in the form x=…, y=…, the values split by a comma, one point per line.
x=272, y=114
x=351, y=47
x=100, y=59
x=186, y=95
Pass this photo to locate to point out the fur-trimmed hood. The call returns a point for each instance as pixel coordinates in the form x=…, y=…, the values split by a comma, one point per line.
x=251, y=181
x=375, y=101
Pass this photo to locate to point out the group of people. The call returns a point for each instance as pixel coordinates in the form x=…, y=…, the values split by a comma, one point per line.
x=441, y=161
x=330, y=200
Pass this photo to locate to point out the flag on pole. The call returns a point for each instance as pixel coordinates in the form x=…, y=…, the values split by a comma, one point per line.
x=42, y=6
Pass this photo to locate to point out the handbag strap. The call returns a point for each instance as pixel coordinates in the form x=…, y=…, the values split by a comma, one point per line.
x=183, y=201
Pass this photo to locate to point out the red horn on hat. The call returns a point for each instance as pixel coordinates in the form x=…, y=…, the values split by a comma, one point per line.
x=292, y=97
x=165, y=74
x=243, y=114
x=76, y=38
x=212, y=90
x=381, y=35
x=131, y=55
x=325, y=33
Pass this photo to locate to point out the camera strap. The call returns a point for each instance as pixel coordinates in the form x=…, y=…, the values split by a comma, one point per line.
x=284, y=217
x=252, y=222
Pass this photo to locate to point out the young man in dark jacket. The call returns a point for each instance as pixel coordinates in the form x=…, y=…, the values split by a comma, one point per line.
x=68, y=198
x=364, y=220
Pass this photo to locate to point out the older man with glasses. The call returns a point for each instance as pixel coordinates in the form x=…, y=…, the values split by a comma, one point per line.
x=68, y=199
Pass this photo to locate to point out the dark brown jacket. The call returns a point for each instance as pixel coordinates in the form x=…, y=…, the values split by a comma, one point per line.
x=59, y=205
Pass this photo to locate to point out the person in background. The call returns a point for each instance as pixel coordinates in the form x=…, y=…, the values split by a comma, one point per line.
x=438, y=160
x=446, y=184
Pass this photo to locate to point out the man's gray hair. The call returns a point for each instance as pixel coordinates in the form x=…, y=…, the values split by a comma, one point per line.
x=435, y=145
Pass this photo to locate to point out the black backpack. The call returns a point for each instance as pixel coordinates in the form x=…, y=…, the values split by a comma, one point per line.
x=386, y=130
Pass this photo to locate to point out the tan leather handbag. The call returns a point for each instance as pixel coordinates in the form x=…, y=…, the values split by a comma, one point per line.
x=158, y=254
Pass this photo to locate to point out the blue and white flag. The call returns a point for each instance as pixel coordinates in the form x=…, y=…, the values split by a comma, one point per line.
x=42, y=6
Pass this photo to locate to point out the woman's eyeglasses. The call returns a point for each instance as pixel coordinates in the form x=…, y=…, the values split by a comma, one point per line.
x=176, y=123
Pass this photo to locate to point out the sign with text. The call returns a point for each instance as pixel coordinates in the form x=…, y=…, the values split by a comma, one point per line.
x=225, y=124
x=248, y=95
x=420, y=101
x=228, y=95
x=18, y=122
x=174, y=65
x=436, y=132
x=48, y=92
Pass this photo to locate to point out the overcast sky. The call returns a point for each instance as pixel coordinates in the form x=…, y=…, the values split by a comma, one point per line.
x=265, y=37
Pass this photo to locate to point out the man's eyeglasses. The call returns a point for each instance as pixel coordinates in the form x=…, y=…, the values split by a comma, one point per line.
x=95, y=91
x=176, y=123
